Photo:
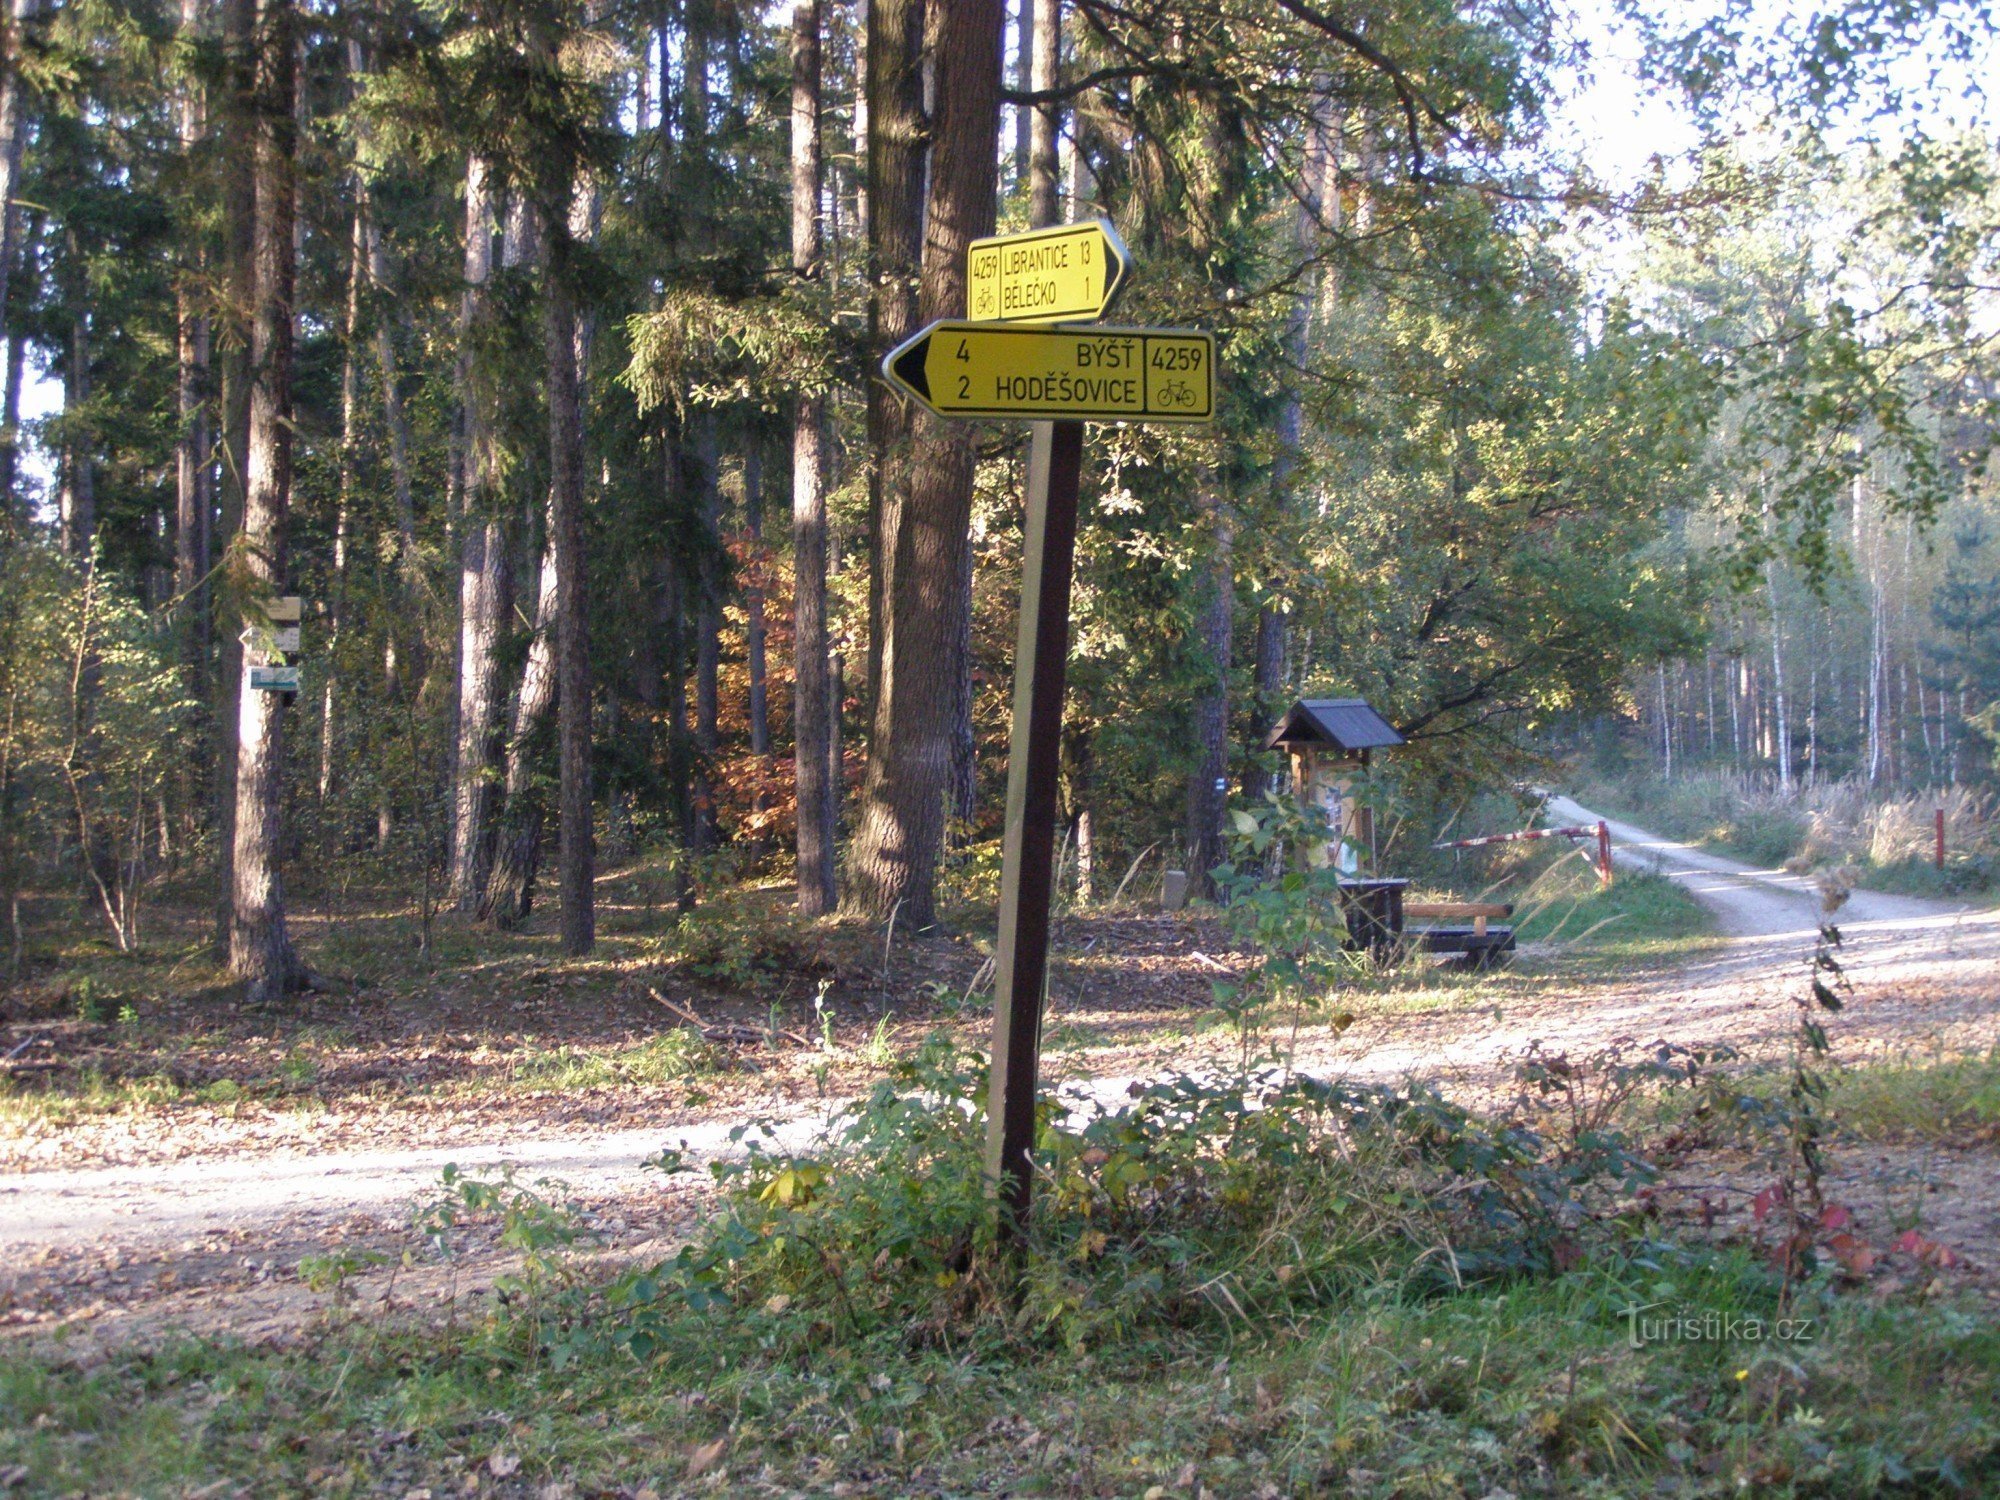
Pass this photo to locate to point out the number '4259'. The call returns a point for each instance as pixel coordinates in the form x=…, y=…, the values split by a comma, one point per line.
x=1177, y=357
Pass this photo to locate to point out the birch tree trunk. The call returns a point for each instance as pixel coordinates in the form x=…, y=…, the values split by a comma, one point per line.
x=1782, y=730
x=260, y=947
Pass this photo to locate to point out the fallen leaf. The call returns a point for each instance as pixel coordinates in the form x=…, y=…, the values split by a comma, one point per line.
x=704, y=1456
x=13, y=1476
x=502, y=1463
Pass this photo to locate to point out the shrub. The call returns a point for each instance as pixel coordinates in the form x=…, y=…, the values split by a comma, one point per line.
x=1193, y=1202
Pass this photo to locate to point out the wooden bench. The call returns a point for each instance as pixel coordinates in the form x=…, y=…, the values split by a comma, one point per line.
x=1479, y=942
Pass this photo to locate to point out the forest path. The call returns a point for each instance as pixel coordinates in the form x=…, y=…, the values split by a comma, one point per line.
x=213, y=1241
x=1746, y=901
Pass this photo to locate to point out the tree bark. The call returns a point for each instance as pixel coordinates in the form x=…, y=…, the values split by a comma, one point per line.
x=260, y=947
x=1024, y=75
x=921, y=542
x=756, y=631
x=1045, y=120
x=77, y=506
x=1319, y=203
x=1207, y=788
x=576, y=855
x=10, y=426
x=193, y=492
x=510, y=888
x=232, y=329
x=811, y=686
x=20, y=18
x=482, y=571
x=894, y=220
x=707, y=457
x=343, y=518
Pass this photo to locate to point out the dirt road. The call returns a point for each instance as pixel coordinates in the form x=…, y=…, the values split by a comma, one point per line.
x=1928, y=973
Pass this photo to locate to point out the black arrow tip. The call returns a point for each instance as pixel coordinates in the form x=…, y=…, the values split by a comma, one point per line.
x=909, y=368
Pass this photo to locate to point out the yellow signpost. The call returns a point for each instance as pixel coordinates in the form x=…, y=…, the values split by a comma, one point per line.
x=1092, y=374
x=1068, y=274
x=997, y=362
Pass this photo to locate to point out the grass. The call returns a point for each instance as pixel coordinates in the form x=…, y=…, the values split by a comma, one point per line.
x=1940, y=1098
x=1154, y=1347
x=1532, y=1388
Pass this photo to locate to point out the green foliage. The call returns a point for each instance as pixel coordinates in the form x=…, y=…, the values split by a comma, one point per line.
x=1193, y=1205
x=95, y=708
x=534, y=1221
x=1281, y=897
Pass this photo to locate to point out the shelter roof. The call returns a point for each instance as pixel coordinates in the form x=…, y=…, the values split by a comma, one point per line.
x=1347, y=724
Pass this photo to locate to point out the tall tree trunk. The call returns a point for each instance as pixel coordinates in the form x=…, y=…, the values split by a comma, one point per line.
x=239, y=277
x=1782, y=741
x=576, y=856
x=706, y=455
x=1666, y=725
x=10, y=426
x=517, y=855
x=77, y=508
x=756, y=632
x=894, y=220
x=260, y=947
x=1024, y=75
x=1208, y=785
x=1045, y=120
x=343, y=518
x=193, y=498
x=21, y=17
x=482, y=570
x=910, y=751
x=1318, y=203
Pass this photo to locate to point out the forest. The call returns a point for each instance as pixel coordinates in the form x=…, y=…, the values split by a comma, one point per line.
x=506, y=716
x=502, y=336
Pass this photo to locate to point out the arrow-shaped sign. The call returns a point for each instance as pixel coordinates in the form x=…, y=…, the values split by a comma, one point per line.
x=1068, y=274
x=965, y=369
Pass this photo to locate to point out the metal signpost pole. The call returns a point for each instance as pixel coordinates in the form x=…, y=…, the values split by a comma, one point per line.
x=1027, y=872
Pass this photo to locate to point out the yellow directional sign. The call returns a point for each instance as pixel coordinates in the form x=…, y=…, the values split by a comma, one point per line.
x=1067, y=274
x=1088, y=374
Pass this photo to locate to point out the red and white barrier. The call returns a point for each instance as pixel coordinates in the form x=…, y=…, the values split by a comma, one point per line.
x=1602, y=833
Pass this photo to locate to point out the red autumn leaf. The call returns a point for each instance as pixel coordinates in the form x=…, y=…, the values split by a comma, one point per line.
x=1835, y=1217
x=1912, y=1243
x=1858, y=1258
x=1764, y=1202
